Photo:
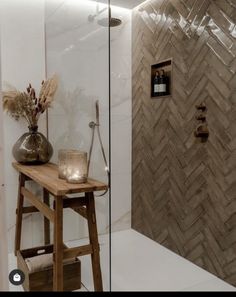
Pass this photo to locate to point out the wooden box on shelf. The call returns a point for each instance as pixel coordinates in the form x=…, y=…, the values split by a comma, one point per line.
x=42, y=280
x=161, y=79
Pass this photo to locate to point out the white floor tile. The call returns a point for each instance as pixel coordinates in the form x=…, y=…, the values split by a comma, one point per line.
x=86, y=266
x=140, y=264
x=214, y=285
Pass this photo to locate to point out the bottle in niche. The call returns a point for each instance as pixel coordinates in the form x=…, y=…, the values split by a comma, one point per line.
x=163, y=84
x=156, y=84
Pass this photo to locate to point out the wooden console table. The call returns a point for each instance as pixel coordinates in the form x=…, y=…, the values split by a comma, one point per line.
x=47, y=177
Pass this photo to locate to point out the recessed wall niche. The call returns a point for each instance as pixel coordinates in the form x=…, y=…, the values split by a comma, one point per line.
x=161, y=79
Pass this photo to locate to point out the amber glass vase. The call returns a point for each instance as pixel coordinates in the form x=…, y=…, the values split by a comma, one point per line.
x=32, y=148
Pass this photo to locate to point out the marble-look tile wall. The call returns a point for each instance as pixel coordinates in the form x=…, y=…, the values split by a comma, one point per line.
x=121, y=106
x=22, y=61
x=3, y=228
x=77, y=50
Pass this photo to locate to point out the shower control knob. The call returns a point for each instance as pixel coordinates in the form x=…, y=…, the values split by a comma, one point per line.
x=201, y=117
x=201, y=107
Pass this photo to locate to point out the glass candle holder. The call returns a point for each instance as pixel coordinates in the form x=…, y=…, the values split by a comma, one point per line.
x=76, y=167
x=62, y=167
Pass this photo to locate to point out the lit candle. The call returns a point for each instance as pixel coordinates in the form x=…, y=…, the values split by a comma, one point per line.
x=62, y=167
x=76, y=167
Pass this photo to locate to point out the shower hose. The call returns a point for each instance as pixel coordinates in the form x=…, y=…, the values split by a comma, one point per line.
x=96, y=127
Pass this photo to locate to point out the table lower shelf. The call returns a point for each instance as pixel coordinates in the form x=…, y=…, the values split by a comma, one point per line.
x=41, y=279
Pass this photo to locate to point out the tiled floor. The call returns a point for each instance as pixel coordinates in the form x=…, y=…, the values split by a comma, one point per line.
x=140, y=264
x=143, y=265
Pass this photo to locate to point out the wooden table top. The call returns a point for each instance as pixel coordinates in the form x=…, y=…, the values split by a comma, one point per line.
x=47, y=176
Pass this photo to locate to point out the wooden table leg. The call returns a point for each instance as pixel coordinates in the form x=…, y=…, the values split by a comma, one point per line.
x=46, y=221
x=19, y=213
x=58, y=245
x=93, y=236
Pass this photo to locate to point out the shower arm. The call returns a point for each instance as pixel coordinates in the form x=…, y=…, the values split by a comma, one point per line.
x=92, y=17
x=93, y=126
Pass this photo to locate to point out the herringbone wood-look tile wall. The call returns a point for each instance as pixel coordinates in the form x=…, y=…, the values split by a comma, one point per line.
x=184, y=192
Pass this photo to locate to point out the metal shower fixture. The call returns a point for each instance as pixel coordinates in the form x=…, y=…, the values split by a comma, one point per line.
x=107, y=21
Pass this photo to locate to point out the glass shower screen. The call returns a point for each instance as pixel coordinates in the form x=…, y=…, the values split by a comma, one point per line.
x=77, y=51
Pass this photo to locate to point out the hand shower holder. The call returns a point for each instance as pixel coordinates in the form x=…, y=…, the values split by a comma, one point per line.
x=93, y=125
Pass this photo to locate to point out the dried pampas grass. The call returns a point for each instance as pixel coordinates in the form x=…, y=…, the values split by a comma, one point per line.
x=26, y=105
x=48, y=91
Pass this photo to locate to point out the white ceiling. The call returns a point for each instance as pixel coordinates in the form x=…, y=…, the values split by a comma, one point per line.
x=122, y=3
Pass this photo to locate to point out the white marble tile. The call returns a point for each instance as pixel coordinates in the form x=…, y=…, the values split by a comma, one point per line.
x=82, y=68
x=52, y=6
x=121, y=202
x=22, y=62
x=149, y=266
x=126, y=4
x=72, y=20
x=86, y=274
x=121, y=64
x=159, y=270
x=140, y=264
x=121, y=148
x=121, y=128
x=32, y=229
x=130, y=4
x=79, y=230
x=80, y=57
x=22, y=46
